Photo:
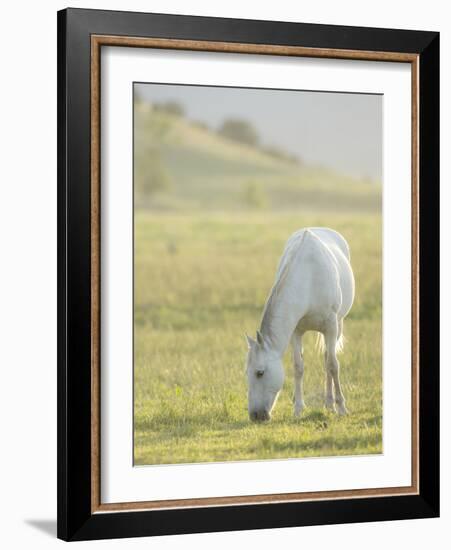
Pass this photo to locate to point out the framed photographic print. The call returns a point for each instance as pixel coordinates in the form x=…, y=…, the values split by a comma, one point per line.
x=248, y=274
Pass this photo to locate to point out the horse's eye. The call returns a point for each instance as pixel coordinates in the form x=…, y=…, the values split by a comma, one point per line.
x=259, y=373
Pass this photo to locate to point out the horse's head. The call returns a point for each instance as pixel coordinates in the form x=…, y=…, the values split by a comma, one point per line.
x=265, y=378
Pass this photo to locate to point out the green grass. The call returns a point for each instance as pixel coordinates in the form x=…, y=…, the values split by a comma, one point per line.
x=201, y=281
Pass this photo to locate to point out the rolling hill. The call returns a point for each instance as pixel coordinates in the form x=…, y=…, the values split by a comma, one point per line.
x=182, y=165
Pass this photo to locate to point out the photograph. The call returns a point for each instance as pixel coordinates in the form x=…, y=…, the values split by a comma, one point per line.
x=257, y=274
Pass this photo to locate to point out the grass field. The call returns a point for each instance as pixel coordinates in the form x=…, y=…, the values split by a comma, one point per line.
x=201, y=281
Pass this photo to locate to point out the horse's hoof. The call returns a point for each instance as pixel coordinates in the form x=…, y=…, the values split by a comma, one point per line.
x=330, y=407
x=299, y=410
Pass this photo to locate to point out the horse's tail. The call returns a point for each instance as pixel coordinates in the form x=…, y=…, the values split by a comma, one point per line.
x=321, y=346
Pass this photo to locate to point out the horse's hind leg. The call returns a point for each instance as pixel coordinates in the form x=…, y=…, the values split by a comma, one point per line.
x=331, y=335
x=298, y=361
x=329, y=401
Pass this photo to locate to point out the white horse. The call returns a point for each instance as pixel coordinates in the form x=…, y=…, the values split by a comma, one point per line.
x=313, y=290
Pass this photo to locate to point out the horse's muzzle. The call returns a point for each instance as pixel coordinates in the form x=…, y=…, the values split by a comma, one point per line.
x=259, y=416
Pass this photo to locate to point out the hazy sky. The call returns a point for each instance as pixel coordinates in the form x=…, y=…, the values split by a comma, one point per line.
x=338, y=130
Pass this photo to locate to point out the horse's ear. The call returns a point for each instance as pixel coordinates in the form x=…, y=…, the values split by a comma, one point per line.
x=260, y=339
x=250, y=341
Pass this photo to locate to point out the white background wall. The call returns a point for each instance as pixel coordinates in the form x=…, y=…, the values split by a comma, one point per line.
x=28, y=271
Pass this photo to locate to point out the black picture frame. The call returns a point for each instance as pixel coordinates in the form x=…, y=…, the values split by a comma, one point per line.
x=76, y=521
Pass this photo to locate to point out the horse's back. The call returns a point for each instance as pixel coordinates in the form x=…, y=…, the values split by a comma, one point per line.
x=338, y=247
x=322, y=256
x=332, y=239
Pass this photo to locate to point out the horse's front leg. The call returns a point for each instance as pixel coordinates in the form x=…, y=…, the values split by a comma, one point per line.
x=298, y=362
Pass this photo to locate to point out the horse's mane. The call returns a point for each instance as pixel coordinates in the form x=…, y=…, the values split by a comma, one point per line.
x=283, y=271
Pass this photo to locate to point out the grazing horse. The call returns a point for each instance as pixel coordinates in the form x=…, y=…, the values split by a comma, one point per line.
x=313, y=290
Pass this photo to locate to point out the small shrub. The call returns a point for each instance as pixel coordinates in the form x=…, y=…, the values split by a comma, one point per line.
x=239, y=130
x=255, y=196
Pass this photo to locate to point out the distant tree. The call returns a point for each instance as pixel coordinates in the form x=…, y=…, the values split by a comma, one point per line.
x=171, y=107
x=239, y=130
x=141, y=106
x=254, y=195
x=280, y=154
